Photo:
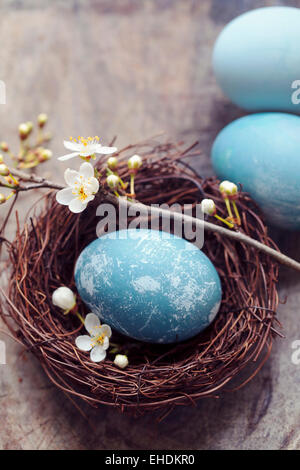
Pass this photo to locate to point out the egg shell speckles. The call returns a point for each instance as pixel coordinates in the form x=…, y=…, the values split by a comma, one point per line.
x=149, y=285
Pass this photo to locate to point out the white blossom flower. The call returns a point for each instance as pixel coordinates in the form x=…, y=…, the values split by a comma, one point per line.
x=82, y=187
x=64, y=298
x=85, y=148
x=228, y=188
x=135, y=162
x=121, y=361
x=97, y=341
x=208, y=206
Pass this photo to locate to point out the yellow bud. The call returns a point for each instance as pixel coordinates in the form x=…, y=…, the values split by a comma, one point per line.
x=46, y=154
x=208, y=206
x=112, y=163
x=42, y=119
x=4, y=171
x=113, y=181
x=4, y=147
x=2, y=198
x=121, y=361
x=1, y=158
x=29, y=126
x=24, y=130
x=135, y=162
x=228, y=188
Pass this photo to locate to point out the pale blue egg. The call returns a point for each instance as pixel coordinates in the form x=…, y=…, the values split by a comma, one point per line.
x=262, y=151
x=149, y=285
x=256, y=59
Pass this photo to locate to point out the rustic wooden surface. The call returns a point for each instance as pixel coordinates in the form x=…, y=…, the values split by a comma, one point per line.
x=133, y=68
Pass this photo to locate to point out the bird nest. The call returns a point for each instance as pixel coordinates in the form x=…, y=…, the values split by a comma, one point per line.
x=158, y=377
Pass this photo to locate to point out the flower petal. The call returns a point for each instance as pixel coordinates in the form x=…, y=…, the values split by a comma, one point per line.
x=106, y=150
x=89, y=199
x=71, y=145
x=106, y=330
x=105, y=344
x=84, y=343
x=70, y=176
x=68, y=156
x=64, y=196
x=94, y=185
x=98, y=354
x=86, y=170
x=92, y=324
x=77, y=206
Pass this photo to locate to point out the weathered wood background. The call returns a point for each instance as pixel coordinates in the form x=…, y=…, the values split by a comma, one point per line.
x=133, y=68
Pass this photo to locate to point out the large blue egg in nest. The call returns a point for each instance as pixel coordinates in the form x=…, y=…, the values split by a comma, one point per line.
x=149, y=285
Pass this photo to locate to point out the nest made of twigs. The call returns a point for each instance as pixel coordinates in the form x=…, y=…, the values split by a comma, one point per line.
x=43, y=256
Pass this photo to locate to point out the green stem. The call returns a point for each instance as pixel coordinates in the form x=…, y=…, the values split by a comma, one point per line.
x=236, y=212
x=132, y=184
x=40, y=136
x=14, y=179
x=227, y=202
x=224, y=221
x=80, y=317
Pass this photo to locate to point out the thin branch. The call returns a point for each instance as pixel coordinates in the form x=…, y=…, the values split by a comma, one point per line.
x=209, y=227
x=32, y=178
x=41, y=182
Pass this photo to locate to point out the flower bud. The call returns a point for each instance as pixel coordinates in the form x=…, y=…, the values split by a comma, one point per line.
x=29, y=126
x=64, y=298
x=121, y=361
x=45, y=154
x=24, y=130
x=2, y=198
x=42, y=119
x=1, y=158
x=228, y=188
x=208, y=206
x=113, y=181
x=134, y=162
x=112, y=163
x=4, y=147
x=4, y=170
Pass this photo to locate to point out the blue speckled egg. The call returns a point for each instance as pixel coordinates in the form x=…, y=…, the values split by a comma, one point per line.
x=256, y=59
x=262, y=151
x=149, y=285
